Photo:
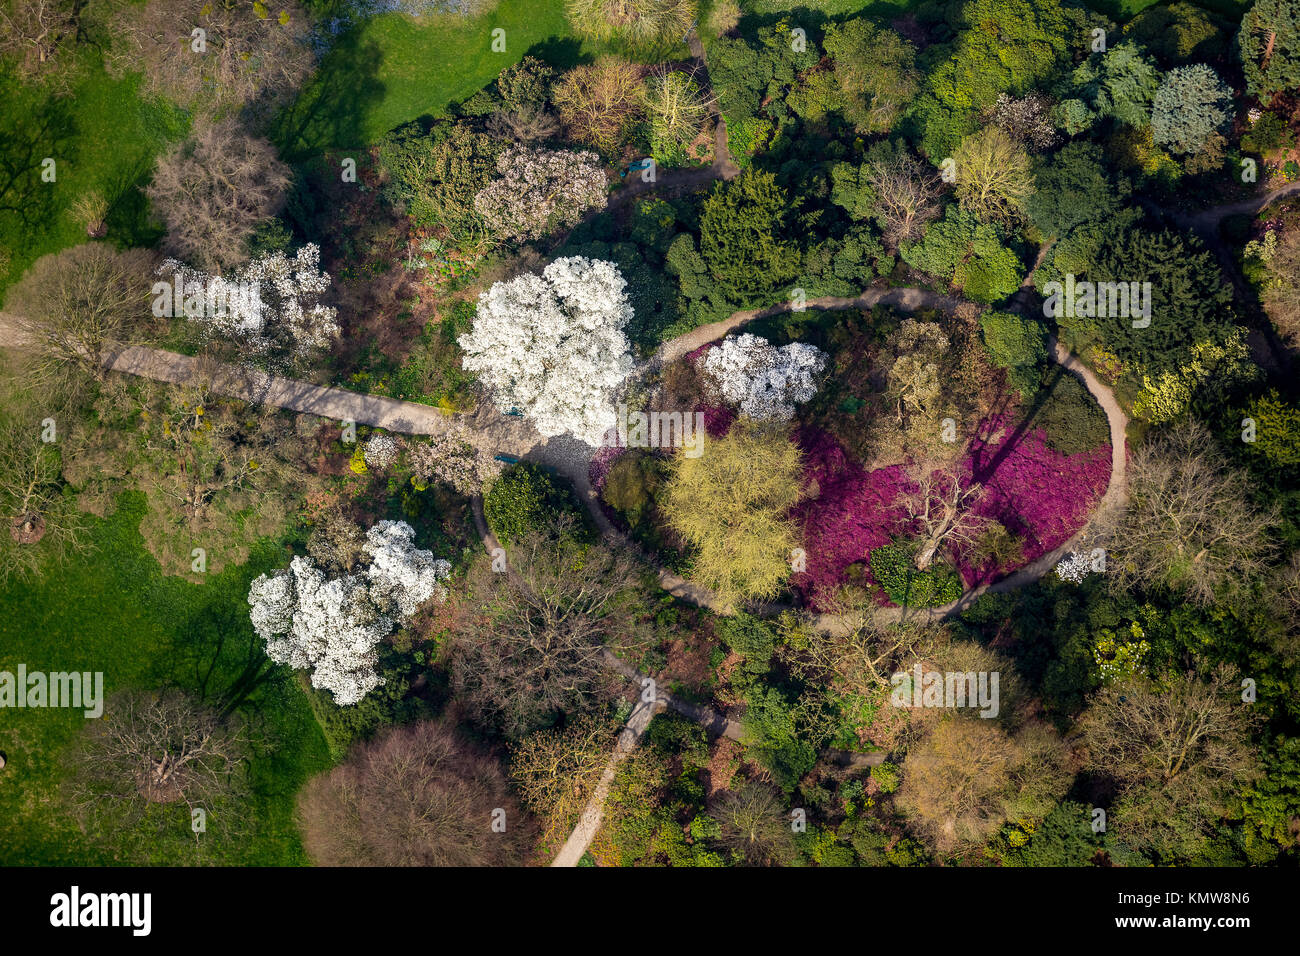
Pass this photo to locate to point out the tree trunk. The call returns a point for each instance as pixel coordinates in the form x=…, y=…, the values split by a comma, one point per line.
x=925, y=557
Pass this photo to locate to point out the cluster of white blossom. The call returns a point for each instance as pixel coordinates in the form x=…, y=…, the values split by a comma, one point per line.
x=380, y=450
x=298, y=284
x=553, y=346
x=400, y=575
x=763, y=381
x=541, y=190
x=1074, y=567
x=272, y=299
x=333, y=625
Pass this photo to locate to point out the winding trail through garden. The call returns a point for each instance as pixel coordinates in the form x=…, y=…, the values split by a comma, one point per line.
x=502, y=434
x=510, y=435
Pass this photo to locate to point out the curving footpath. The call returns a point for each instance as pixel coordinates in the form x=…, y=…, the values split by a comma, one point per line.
x=509, y=435
x=493, y=431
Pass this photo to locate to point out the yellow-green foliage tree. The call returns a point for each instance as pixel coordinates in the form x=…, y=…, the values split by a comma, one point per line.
x=732, y=504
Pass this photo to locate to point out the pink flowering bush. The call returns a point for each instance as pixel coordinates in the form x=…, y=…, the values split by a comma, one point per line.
x=717, y=421
x=850, y=512
x=601, y=462
x=1040, y=495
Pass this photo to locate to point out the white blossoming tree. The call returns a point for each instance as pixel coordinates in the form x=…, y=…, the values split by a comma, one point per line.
x=452, y=458
x=333, y=625
x=380, y=450
x=553, y=346
x=1074, y=567
x=541, y=190
x=400, y=575
x=763, y=381
x=273, y=302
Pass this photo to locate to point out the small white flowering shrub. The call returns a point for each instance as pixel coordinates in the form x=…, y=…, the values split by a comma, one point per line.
x=380, y=451
x=541, y=190
x=764, y=382
x=1074, y=567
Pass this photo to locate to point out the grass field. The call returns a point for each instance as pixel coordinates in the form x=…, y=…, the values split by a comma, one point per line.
x=392, y=69
x=113, y=611
x=103, y=138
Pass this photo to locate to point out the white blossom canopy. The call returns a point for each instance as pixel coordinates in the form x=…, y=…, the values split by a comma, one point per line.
x=553, y=346
x=541, y=190
x=273, y=298
x=334, y=625
x=763, y=381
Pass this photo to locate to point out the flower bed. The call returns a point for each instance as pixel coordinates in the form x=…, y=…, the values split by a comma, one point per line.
x=853, y=511
x=1040, y=495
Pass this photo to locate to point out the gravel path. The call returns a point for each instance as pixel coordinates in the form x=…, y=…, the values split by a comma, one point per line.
x=514, y=436
x=511, y=435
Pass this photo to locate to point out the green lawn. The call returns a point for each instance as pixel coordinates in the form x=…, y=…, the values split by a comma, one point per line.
x=103, y=138
x=113, y=611
x=392, y=69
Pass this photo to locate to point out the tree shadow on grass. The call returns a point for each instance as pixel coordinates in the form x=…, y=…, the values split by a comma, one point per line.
x=128, y=219
x=332, y=109
x=563, y=53
x=27, y=138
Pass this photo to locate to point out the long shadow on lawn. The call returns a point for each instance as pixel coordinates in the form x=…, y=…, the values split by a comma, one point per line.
x=331, y=110
x=563, y=53
x=128, y=210
x=27, y=138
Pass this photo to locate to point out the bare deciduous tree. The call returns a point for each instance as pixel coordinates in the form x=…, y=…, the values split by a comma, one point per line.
x=640, y=21
x=419, y=795
x=1284, y=599
x=907, y=197
x=77, y=304
x=523, y=125
x=597, y=101
x=534, y=642
x=861, y=658
x=969, y=777
x=1281, y=293
x=755, y=824
x=557, y=770
x=154, y=748
x=679, y=110
x=1191, y=523
x=336, y=543
x=36, y=34
x=216, y=473
x=215, y=54
x=1178, y=754
x=941, y=503
x=33, y=507
x=213, y=191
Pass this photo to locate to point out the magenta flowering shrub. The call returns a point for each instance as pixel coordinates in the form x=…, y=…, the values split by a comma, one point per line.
x=717, y=421
x=695, y=355
x=1038, y=494
x=601, y=462
x=850, y=512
